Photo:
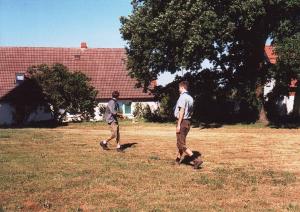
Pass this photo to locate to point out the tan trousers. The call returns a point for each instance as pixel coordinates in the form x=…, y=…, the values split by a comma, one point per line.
x=115, y=133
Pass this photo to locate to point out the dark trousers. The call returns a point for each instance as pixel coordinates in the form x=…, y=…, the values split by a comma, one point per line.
x=181, y=137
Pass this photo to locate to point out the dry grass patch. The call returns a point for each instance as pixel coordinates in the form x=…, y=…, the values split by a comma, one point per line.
x=246, y=169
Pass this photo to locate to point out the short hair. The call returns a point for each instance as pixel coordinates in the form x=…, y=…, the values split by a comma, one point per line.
x=115, y=94
x=184, y=84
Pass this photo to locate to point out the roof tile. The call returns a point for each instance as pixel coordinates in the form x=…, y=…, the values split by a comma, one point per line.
x=270, y=54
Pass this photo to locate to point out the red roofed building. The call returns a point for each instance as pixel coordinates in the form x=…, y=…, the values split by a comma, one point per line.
x=271, y=56
x=287, y=100
x=105, y=66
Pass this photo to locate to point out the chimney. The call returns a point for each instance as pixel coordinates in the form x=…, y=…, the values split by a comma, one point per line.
x=83, y=45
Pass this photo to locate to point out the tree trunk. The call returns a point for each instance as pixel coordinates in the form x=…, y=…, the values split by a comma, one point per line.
x=262, y=115
x=256, y=71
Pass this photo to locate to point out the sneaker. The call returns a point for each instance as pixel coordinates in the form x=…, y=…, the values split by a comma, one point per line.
x=197, y=163
x=120, y=150
x=103, y=145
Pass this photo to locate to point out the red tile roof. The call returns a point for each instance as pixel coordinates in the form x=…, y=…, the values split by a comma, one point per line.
x=271, y=56
x=105, y=66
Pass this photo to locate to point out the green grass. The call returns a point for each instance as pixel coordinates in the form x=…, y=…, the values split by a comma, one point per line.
x=293, y=207
x=4, y=134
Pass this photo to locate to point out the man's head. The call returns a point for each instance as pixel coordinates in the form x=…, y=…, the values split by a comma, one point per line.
x=115, y=94
x=183, y=86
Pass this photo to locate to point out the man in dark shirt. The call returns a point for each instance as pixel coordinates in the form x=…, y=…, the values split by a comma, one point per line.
x=111, y=117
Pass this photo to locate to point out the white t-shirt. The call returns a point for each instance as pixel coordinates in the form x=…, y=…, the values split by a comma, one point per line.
x=185, y=101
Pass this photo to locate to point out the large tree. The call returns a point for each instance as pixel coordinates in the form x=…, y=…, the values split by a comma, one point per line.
x=64, y=91
x=172, y=35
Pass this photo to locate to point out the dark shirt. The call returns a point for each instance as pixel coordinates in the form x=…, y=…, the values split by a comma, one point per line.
x=111, y=111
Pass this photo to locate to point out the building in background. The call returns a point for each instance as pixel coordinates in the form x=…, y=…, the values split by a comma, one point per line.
x=287, y=103
x=105, y=66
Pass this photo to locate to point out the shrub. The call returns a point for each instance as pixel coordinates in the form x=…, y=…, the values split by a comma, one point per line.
x=138, y=111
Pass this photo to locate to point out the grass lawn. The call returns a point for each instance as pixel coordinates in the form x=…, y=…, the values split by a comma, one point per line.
x=245, y=169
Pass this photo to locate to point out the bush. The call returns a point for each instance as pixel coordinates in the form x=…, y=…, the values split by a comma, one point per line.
x=145, y=112
x=102, y=109
x=152, y=116
x=166, y=108
x=138, y=111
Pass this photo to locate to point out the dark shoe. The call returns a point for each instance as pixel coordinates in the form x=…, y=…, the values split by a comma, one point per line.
x=104, y=146
x=197, y=163
x=177, y=161
x=120, y=150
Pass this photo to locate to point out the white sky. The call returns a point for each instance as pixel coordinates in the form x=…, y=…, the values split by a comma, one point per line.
x=167, y=77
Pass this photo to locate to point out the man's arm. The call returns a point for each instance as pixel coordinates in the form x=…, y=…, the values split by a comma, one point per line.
x=180, y=118
x=120, y=115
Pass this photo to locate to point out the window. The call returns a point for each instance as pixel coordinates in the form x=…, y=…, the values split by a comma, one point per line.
x=77, y=56
x=19, y=78
x=127, y=108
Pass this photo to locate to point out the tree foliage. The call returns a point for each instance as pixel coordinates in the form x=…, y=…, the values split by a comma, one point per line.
x=65, y=91
x=212, y=103
x=288, y=59
x=287, y=68
x=172, y=35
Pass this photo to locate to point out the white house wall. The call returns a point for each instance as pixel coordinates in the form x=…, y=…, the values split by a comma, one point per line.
x=99, y=116
x=7, y=111
x=287, y=101
x=6, y=114
x=269, y=87
x=39, y=115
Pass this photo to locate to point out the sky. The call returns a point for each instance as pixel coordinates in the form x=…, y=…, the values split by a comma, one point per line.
x=62, y=23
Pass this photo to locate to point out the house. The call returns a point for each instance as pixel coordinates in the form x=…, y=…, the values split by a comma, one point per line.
x=105, y=66
x=288, y=101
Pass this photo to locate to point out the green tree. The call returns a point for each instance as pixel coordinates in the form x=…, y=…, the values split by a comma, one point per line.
x=287, y=67
x=173, y=35
x=65, y=91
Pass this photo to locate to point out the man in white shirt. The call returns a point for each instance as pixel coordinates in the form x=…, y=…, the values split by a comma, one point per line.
x=183, y=112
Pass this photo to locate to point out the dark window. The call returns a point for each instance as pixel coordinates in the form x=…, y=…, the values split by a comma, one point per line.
x=77, y=56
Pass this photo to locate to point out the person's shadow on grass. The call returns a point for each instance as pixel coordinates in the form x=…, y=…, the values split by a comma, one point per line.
x=128, y=145
x=187, y=159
